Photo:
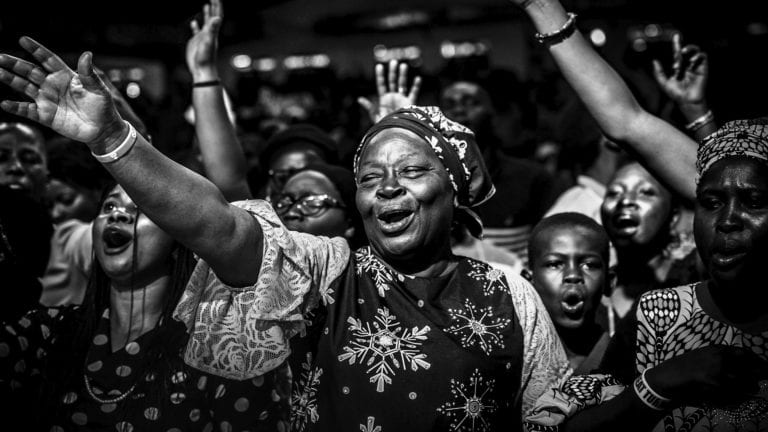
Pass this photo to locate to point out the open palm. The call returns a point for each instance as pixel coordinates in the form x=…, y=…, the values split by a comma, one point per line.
x=393, y=92
x=202, y=46
x=74, y=104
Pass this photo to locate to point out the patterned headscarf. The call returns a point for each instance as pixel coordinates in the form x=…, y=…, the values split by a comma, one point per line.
x=456, y=148
x=737, y=138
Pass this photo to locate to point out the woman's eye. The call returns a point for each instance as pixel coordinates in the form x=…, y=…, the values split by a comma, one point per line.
x=709, y=203
x=648, y=192
x=107, y=207
x=756, y=202
x=552, y=264
x=368, y=178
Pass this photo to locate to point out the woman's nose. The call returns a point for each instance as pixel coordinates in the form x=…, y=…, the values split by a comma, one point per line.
x=390, y=188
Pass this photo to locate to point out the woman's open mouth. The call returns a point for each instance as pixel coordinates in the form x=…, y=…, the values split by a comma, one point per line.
x=393, y=221
x=116, y=240
x=626, y=224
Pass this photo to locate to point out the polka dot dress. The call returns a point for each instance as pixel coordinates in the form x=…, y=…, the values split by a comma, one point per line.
x=115, y=392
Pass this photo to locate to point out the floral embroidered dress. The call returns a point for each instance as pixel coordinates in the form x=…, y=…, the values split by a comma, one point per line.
x=468, y=351
x=671, y=322
x=108, y=393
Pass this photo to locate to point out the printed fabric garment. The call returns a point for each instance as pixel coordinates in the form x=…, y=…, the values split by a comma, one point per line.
x=670, y=322
x=467, y=351
x=108, y=394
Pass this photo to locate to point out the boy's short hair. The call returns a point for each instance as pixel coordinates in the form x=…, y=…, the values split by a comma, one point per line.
x=570, y=220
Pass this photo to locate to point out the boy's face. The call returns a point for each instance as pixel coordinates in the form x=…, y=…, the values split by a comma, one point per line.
x=570, y=274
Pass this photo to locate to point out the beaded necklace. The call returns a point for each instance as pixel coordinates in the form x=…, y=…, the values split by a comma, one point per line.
x=116, y=399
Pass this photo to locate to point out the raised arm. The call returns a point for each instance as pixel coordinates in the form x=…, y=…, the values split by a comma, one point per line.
x=667, y=152
x=77, y=104
x=393, y=92
x=687, y=85
x=222, y=154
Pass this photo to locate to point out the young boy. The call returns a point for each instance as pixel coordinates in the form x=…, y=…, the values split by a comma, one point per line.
x=568, y=256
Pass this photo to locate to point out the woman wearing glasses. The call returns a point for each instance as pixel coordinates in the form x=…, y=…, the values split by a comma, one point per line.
x=320, y=200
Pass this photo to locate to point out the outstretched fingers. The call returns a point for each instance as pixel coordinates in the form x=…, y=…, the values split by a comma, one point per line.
x=392, y=75
x=21, y=109
x=22, y=68
x=216, y=9
x=19, y=84
x=402, y=79
x=658, y=73
x=381, y=86
x=415, y=87
x=50, y=61
x=86, y=73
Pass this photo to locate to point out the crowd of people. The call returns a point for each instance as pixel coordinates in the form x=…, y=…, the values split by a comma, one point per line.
x=430, y=280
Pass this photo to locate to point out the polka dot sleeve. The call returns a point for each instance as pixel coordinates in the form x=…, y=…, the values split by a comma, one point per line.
x=23, y=346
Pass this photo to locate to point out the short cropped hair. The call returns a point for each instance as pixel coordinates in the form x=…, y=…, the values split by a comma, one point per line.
x=570, y=220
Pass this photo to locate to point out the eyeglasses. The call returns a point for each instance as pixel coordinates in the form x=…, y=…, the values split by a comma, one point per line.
x=308, y=205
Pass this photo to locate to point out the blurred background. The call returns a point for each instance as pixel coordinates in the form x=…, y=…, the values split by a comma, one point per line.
x=305, y=60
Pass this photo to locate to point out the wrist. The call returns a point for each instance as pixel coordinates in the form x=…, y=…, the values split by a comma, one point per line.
x=110, y=137
x=693, y=110
x=205, y=74
x=661, y=384
x=649, y=396
x=547, y=15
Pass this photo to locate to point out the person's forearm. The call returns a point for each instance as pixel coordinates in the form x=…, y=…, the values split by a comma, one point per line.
x=667, y=152
x=222, y=154
x=188, y=207
x=625, y=412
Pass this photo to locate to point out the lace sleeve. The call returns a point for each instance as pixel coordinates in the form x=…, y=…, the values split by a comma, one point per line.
x=240, y=333
x=545, y=364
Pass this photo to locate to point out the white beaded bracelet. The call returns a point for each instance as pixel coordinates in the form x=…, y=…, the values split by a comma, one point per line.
x=559, y=35
x=120, y=150
x=649, y=397
x=701, y=121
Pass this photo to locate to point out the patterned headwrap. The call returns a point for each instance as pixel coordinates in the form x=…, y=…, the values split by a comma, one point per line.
x=737, y=138
x=456, y=148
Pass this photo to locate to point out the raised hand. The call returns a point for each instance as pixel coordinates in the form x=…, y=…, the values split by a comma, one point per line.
x=393, y=92
x=75, y=104
x=688, y=82
x=203, y=45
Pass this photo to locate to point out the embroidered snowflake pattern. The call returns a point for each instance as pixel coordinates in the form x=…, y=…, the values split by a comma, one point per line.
x=477, y=325
x=385, y=347
x=370, y=425
x=492, y=277
x=467, y=408
x=381, y=275
x=304, y=396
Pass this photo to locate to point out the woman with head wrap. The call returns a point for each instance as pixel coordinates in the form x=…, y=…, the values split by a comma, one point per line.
x=702, y=349
x=408, y=336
